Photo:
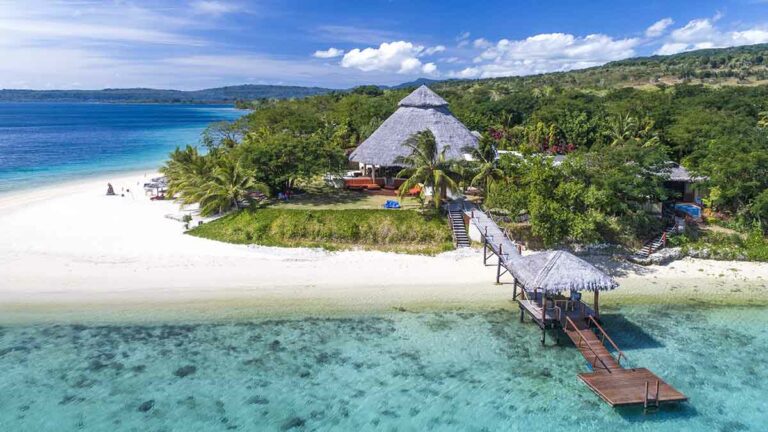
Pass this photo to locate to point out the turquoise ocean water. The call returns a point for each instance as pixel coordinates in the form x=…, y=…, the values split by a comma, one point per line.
x=45, y=143
x=409, y=371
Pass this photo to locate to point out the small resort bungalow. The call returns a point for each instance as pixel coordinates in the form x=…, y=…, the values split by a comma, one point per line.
x=419, y=111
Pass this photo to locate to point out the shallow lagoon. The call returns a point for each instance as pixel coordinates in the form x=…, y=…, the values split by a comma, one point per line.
x=393, y=371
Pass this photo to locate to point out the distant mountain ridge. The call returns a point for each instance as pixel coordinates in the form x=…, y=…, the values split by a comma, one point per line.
x=226, y=95
x=744, y=65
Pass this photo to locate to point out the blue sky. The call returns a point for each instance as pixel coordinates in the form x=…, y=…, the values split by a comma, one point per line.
x=192, y=44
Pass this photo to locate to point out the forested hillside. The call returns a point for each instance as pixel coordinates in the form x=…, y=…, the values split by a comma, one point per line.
x=619, y=137
x=225, y=95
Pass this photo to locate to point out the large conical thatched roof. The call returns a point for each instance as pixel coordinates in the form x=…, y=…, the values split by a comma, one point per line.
x=557, y=271
x=421, y=110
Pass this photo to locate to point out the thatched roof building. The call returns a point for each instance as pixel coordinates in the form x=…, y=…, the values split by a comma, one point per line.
x=421, y=110
x=557, y=271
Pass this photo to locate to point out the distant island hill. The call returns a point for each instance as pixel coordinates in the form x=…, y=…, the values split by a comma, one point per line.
x=219, y=95
x=744, y=65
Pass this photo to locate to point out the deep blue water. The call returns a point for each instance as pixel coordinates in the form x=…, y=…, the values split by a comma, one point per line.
x=42, y=143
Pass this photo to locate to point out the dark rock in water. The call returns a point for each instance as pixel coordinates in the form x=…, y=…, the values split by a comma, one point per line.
x=293, y=423
x=147, y=405
x=97, y=365
x=304, y=374
x=257, y=400
x=274, y=345
x=67, y=399
x=83, y=382
x=139, y=368
x=5, y=351
x=546, y=373
x=185, y=371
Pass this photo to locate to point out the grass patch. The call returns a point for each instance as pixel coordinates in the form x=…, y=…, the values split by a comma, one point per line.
x=404, y=231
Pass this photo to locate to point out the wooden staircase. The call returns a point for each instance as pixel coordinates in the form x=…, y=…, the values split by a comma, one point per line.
x=655, y=244
x=460, y=236
x=591, y=347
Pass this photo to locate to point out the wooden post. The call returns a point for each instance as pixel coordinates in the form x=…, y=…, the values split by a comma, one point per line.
x=514, y=292
x=485, y=248
x=597, y=303
x=498, y=272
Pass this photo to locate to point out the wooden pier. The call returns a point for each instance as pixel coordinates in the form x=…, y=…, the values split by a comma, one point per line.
x=610, y=380
x=538, y=283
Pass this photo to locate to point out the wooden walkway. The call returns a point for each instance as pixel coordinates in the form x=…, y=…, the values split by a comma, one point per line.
x=610, y=380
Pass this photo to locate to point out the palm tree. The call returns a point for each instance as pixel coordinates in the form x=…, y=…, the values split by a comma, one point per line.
x=186, y=171
x=623, y=129
x=426, y=166
x=485, y=171
x=228, y=187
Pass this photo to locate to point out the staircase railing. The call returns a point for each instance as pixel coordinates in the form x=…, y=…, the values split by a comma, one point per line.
x=605, y=336
x=453, y=231
x=570, y=322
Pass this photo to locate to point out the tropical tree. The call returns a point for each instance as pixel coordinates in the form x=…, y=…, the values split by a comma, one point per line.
x=186, y=171
x=485, y=170
x=228, y=187
x=427, y=166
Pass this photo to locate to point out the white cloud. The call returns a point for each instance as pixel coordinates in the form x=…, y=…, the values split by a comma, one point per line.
x=659, y=27
x=429, y=68
x=702, y=34
x=400, y=57
x=329, y=53
x=353, y=34
x=482, y=43
x=434, y=50
x=470, y=72
x=671, y=48
x=213, y=7
x=463, y=39
x=450, y=60
x=547, y=53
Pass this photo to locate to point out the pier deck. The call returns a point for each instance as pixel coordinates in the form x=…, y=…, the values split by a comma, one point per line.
x=609, y=380
x=614, y=383
x=628, y=387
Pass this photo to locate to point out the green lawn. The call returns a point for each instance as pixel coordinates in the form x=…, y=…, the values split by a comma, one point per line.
x=340, y=199
x=310, y=225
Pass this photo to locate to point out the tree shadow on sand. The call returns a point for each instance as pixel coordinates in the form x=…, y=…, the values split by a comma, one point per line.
x=617, y=267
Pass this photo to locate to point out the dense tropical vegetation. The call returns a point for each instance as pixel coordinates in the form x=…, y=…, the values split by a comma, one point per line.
x=617, y=126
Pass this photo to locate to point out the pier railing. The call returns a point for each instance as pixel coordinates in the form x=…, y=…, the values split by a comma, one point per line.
x=583, y=340
x=605, y=336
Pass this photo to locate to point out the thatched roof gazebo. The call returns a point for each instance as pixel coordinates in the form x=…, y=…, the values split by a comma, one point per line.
x=545, y=276
x=419, y=111
x=554, y=272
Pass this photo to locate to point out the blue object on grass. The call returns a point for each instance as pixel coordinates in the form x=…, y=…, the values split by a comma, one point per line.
x=391, y=204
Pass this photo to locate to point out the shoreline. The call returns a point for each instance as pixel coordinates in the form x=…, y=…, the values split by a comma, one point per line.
x=70, y=253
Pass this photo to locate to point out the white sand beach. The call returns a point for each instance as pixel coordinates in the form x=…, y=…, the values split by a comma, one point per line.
x=69, y=247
